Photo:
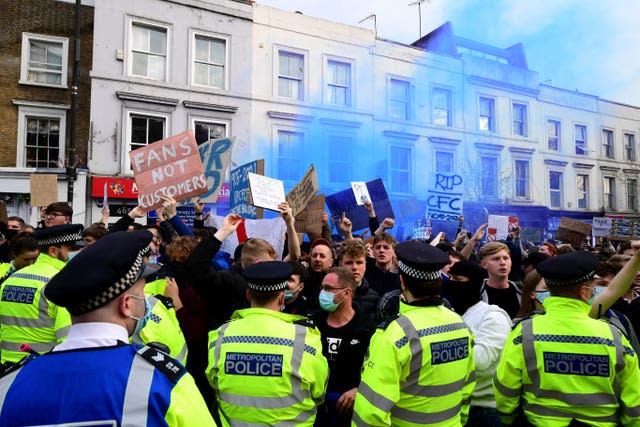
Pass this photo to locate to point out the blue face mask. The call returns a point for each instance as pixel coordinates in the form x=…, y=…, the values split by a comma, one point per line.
x=542, y=295
x=70, y=255
x=290, y=295
x=326, y=301
x=141, y=322
x=597, y=290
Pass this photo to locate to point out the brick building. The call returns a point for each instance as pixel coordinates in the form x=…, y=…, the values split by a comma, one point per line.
x=36, y=59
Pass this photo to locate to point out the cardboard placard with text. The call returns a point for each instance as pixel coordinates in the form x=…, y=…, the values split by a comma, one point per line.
x=344, y=201
x=266, y=192
x=304, y=191
x=310, y=219
x=170, y=167
x=215, y=155
x=239, y=200
x=43, y=189
x=572, y=231
x=601, y=226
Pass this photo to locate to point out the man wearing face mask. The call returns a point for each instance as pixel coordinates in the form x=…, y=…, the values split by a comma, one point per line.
x=26, y=316
x=294, y=301
x=579, y=370
x=490, y=326
x=266, y=366
x=95, y=377
x=346, y=330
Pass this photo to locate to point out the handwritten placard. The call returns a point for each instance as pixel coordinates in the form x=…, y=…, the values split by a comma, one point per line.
x=170, y=167
x=360, y=192
x=310, y=219
x=266, y=192
x=444, y=197
x=239, y=201
x=215, y=155
x=601, y=226
x=572, y=230
x=500, y=226
x=43, y=188
x=304, y=191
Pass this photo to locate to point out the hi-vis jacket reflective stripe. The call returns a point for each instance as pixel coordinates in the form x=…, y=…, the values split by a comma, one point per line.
x=135, y=387
x=419, y=371
x=267, y=370
x=163, y=327
x=564, y=365
x=25, y=314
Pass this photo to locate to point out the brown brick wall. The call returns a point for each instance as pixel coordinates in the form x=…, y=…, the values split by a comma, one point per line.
x=47, y=17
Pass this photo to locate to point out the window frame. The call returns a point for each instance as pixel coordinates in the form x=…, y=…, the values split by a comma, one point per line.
x=349, y=88
x=126, y=147
x=449, y=110
x=210, y=120
x=629, y=151
x=495, y=194
x=524, y=107
x=584, y=142
x=610, y=201
x=450, y=153
x=559, y=191
x=492, y=119
x=193, y=34
x=409, y=171
x=608, y=145
x=348, y=161
x=585, y=179
x=390, y=98
x=527, y=179
x=25, y=55
x=276, y=141
x=25, y=111
x=304, y=81
x=632, y=196
x=131, y=21
x=557, y=137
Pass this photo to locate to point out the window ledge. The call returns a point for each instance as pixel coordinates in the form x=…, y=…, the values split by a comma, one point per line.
x=52, y=86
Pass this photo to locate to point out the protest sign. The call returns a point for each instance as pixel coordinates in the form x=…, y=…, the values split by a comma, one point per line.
x=271, y=230
x=304, y=191
x=239, y=190
x=360, y=192
x=309, y=220
x=601, y=226
x=170, y=167
x=266, y=192
x=572, y=231
x=43, y=189
x=215, y=155
x=344, y=201
x=444, y=197
x=500, y=226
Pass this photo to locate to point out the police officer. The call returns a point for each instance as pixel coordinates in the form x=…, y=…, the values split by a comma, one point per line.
x=267, y=366
x=95, y=377
x=565, y=368
x=420, y=367
x=26, y=317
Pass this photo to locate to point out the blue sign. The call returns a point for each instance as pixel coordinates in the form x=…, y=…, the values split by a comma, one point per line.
x=345, y=201
x=591, y=365
x=239, y=190
x=255, y=364
x=19, y=294
x=449, y=351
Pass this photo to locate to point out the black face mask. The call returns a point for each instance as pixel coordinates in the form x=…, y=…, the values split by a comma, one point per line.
x=179, y=271
x=462, y=295
x=10, y=234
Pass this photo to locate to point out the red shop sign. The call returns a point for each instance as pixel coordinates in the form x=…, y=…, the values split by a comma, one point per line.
x=117, y=188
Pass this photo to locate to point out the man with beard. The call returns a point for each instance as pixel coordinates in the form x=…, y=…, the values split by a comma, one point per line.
x=27, y=317
x=490, y=326
x=322, y=258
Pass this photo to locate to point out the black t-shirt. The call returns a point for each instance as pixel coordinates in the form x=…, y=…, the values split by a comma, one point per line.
x=345, y=348
x=505, y=298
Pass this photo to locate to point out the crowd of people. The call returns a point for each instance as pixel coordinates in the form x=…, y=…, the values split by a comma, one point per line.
x=129, y=324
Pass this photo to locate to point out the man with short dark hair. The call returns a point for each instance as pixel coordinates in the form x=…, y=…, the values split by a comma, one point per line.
x=24, y=251
x=57, y=213
x=15, y=223
x=346, y=330
x=295, y=302
x=563, y=367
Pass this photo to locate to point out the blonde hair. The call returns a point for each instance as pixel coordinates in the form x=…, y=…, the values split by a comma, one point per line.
x=256, y=249
x=493, y=248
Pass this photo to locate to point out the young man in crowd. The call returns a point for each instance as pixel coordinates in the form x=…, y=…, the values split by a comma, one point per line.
x=353, y=254
x=497, y=289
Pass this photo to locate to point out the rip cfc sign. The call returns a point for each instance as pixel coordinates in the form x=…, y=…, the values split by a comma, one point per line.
x=170, y=167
